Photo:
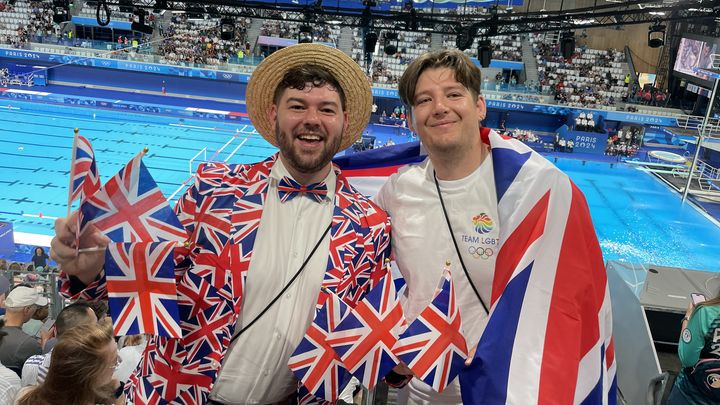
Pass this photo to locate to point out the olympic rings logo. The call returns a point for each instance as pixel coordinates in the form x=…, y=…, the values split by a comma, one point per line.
x=480, y=252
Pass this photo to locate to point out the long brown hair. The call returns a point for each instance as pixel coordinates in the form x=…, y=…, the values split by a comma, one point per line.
x=77, y=361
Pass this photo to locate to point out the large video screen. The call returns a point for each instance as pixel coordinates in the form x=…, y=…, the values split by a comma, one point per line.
x=693, y=53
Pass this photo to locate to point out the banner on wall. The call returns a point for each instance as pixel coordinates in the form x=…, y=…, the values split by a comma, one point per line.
x=588, y=142
x=126, y=65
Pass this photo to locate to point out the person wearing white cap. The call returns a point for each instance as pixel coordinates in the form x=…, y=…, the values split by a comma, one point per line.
x=18, y=346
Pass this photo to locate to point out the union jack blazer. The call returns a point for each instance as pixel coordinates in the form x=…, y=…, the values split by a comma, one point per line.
x=221, y=213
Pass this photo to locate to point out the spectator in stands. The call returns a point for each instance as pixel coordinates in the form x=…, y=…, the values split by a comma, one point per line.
x=81, y=370
x=9, y=380
x=130, y=355
x=100, y=308
x=698, y=382
x=35, y=368
x=660, y=98
x=18, y=346
x=33, y=325
x=40, y=257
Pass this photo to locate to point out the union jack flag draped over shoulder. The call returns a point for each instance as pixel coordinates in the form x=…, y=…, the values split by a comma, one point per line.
x=550, y=295
x=131, y=208
x=85, y=180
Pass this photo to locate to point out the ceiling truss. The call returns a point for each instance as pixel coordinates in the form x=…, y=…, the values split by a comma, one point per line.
x=496, y=21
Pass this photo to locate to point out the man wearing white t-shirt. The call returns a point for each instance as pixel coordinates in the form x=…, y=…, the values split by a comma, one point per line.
x=446, y=115
x=458, y=205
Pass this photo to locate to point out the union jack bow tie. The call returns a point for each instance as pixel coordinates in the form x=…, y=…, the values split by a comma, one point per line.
x=289, y=189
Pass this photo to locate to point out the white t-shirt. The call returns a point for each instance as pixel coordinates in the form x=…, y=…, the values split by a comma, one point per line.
x=422, y=244
x=255, y=369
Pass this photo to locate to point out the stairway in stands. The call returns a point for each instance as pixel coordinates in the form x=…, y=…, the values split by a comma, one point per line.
x=253, y=31
x=528, y=58
x=345, y=41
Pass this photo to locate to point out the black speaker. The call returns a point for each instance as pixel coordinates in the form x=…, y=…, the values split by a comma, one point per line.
x=370, y=41
x=61, y=15
x=390, y=48
x=305, y=34
x=484, y=53
x=567, y=45
x=145, y=29
x=227, y=29
x=465, y=38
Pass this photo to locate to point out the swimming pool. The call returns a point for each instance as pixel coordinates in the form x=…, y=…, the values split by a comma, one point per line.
x=637, y=219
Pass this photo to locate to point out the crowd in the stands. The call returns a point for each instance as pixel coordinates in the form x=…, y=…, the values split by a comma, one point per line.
x=199, y=41
x=387, y=67
x=625, y=142
x=22, y=22
x=588, y=78
x=291, y=29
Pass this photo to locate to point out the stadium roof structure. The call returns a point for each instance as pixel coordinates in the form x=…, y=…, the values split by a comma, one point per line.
x=486, y=18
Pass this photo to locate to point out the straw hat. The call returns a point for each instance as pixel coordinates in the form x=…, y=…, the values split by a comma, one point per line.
x=267, y=76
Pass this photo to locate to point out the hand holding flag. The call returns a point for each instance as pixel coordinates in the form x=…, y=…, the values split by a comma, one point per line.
x=364, y=339
x=433, y=346
x=314, y=362
x=131, y=208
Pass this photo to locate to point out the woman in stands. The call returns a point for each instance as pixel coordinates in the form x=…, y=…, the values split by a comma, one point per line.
x=81, y=370
x=698, y=382
x=39, y=259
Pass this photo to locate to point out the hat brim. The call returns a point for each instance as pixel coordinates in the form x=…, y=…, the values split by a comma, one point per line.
x=267, y=76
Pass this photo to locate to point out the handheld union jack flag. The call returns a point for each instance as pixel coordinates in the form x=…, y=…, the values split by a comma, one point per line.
x=85, y=179
x=131, y=208
x=433, y=346
x=141, y=288
x=364, y=339
x=314, y=362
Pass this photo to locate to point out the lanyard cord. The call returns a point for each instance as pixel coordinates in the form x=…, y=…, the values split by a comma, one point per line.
x=457, y=250
x=289, y=283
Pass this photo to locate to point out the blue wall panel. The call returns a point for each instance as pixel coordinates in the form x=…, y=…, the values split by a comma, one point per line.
x=148, y=81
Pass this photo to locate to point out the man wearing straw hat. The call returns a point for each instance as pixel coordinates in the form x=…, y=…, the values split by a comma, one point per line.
x=264, y=239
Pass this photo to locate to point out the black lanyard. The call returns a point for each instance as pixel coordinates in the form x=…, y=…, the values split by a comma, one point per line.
x=289, y=283
x=452, y=235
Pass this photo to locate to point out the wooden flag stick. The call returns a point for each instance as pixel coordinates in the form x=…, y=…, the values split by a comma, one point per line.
x=72, y=169
x=101, y=248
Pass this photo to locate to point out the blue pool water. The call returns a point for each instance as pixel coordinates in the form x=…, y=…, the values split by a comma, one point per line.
x=640, y=220
x=637, y=218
